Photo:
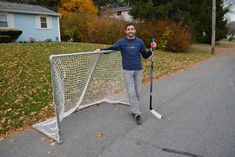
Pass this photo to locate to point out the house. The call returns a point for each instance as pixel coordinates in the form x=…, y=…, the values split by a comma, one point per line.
x=231, y=30
x=36, y=22
x=118, y=13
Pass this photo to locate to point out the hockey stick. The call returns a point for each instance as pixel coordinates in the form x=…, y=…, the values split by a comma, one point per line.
x=156, y=114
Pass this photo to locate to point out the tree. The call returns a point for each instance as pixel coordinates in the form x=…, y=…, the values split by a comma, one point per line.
x=69, y=7
x=194, y=13
x=68, y=26
x=231, y=28
x=51, y=4
x=203, y=17
x=230, y=6
x=142, y=10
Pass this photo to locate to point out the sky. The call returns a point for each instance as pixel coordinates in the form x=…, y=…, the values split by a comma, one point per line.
x=231, y=16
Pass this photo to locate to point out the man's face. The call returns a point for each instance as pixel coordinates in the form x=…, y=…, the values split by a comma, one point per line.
x=130, y=31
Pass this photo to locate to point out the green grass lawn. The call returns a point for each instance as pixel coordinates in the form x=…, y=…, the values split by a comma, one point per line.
x=25, y=84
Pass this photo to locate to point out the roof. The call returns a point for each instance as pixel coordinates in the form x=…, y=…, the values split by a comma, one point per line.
x=25, y=8
x=116, y=9
x=121, y=9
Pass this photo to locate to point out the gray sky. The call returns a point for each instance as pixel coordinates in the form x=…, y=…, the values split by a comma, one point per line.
x=231, y=16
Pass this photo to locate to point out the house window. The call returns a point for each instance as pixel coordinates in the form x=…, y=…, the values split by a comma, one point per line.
x=119, y=13
x=43, y=22
x=3, y=21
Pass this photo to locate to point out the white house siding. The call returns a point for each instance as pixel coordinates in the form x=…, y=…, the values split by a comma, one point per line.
x=124, y=15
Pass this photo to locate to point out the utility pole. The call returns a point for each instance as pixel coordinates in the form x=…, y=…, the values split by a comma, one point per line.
x=213, y=26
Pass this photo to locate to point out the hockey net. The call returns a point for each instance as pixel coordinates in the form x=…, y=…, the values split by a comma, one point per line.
x=80, y=80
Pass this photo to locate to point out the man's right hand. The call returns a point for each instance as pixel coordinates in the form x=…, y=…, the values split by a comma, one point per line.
x=153, y=44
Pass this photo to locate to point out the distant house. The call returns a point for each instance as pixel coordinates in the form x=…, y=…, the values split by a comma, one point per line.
x=118, y=13
x=35, y=21
x=231, y=30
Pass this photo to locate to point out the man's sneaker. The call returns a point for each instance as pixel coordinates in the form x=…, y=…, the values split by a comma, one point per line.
x=139, y=119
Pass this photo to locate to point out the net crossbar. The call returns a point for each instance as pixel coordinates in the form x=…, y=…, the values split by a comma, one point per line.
x=81, y=80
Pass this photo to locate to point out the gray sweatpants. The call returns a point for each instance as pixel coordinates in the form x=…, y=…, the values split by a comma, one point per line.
x=133, y=81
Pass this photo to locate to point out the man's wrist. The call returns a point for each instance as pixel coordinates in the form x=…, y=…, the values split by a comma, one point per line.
x=149, y=50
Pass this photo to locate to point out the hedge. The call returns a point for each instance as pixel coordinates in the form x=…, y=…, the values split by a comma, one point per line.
x=9, y=35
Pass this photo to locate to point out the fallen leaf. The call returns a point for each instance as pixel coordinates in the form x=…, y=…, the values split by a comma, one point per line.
x=3, y=120
x=99, y=136
x=12, y=140
x=53, y=143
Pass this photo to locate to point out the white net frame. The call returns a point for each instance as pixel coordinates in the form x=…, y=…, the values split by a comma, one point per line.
x=80, y=80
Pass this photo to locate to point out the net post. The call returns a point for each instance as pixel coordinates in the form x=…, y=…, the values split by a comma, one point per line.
x=60, y=140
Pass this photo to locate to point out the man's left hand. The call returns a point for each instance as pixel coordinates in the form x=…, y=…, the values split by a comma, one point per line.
x=153, y=44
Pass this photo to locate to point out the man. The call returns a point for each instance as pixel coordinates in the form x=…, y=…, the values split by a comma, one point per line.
x=132, y=48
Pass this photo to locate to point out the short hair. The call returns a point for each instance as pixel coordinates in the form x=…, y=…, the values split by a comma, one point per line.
x=129, y=24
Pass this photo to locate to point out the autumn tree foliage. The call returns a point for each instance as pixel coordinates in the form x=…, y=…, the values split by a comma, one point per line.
x=69, y=7
x=75, y=13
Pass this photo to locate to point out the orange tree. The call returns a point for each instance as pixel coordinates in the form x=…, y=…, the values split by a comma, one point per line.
x=73, y=13
x=68, y=7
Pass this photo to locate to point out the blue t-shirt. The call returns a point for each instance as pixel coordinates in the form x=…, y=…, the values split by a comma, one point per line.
x=131, y=50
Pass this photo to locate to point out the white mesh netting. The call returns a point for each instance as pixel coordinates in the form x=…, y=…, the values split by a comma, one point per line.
x=81, y=80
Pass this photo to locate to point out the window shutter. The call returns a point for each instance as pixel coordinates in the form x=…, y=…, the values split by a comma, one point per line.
x=49, y=22
x=37, y=22
x=11, y=21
